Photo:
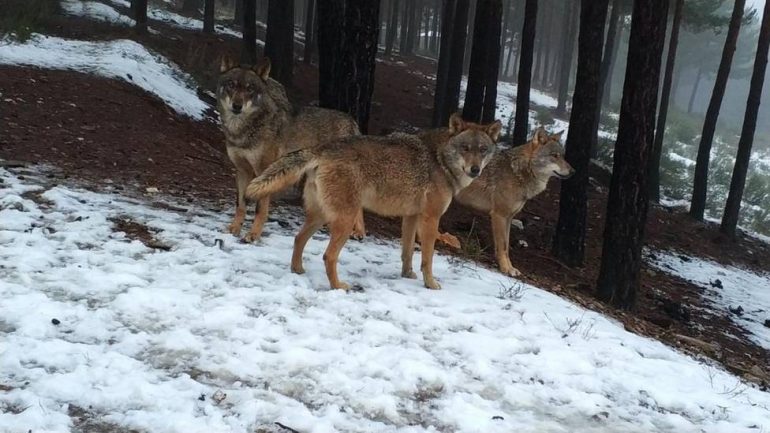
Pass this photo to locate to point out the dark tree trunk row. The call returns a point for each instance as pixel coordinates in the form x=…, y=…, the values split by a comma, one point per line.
x=279, y=39
x=627, y=204
x=521, y=120
x=310, y=31
x=568, y=45
x=481, y=92
x=660, y=129
x=208, y=16
x=699, y=189
x=738, y=181
x=249, y=47
x=608, y=58
x=450, y=67
x=347, y=43
x=139, y=9
x=569, y=240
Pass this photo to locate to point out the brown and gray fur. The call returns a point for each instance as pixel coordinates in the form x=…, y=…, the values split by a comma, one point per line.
x=514, y=176
x=411, y=176
x=260, y=126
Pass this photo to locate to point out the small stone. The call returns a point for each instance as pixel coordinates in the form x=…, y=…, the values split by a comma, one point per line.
x=55, y=321
x=152, y=190
x=716, y=284
x=767, y=323
x=497, y=418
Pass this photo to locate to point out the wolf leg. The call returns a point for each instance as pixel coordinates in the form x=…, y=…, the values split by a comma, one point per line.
x=501, y=231
x=428, y=235
x=408, y=231
x=359, y=230
x=314, y=220
x=263, y=206
x=242, y=179
x=339, y=229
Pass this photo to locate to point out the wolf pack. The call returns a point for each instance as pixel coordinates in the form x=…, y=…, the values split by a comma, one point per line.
x=342, y=172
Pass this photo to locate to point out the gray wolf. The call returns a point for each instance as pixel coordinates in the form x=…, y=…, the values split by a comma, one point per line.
x=512, y=177
x=260, y=125
x=411, y=176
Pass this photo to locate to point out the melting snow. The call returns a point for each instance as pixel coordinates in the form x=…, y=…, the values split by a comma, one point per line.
x=123, y=59
x=97, y=11
x=219, y=337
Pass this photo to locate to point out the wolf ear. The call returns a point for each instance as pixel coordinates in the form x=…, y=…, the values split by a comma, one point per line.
x=456, y=124
x=263, y=69
x=226, y=63
x=493, y=130
x=540, y=137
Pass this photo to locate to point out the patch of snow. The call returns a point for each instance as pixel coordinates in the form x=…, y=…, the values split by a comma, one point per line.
x=96, y=11
x=687, y=162
x=219, y=336
x=123, y=59
x=735, y=288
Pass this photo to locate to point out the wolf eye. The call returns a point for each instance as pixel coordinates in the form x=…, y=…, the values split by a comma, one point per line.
x=556, y=155
x=483, y=149
x=466, y=148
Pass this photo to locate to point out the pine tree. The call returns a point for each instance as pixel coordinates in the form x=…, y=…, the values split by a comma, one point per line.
x=521, y=120
x=481, y=92
x=249, y=46
x=279, y=40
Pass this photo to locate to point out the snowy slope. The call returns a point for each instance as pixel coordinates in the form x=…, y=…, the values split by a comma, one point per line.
x=122, y=59
x=739, y=288
x=148, y=337
x=97, y=11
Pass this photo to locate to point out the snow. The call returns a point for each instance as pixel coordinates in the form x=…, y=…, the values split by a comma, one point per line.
x=147, y=337
x=123, y=59
x=97, y=11
x=740, y=288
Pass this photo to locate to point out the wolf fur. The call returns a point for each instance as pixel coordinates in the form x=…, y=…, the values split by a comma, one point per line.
x=411, y=176
x=260, y=126
x=512, y=177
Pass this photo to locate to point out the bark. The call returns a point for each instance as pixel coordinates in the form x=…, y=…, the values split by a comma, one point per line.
x=402, y=37
x=699, y=189
x=738, y=181
x=279, y=40
x=568, y=44
x=435, y=26
x=520, y=127
x=482, y=83
x=441, y=111
x=191, y=7
x=309, y=31
x=547, y=47
x=610, y=50
x=208, y=16
x=238, y=15
x=694, y=91
x=249, y=46
x=627, y=204
x=347, y=41
x=469, y=41
x=140, y=15
x=569, y=239
x=390, y=34
x=660, y=129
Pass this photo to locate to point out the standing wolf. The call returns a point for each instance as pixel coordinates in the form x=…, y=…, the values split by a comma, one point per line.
x=414, y=177
x=260, y=126
x=514, y=176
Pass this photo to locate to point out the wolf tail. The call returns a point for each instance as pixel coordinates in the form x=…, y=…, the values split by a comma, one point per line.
x=284, y=172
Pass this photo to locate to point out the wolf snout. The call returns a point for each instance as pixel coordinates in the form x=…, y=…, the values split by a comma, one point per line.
x=237, y=107
x=475, y=171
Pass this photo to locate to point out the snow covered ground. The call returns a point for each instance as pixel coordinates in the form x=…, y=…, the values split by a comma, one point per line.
x=726, y=288
x=217, y=336
x=122, y=59
x=97, y=11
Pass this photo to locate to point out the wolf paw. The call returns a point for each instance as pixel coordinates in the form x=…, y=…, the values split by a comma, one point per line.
x=358, y=235
x=511, y=272
x=409, y=274
x=299, y=270
x=252, y=237
x=432, y=284
x=341, y=286
x=234, y=229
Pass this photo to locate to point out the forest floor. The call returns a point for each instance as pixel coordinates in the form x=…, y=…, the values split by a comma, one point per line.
x=102, y=132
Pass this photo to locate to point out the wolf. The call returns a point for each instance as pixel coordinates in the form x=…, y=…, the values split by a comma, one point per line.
x=411, y=176
x=260, y=125
x=514, y=176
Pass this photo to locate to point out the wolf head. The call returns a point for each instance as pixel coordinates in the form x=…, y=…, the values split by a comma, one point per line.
x=470, y=147
x=546, y=156
x=242, y=92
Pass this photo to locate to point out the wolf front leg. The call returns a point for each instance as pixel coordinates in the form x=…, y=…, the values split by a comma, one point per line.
x=501, y=231
x=428, y=234
x=408, y=231
x=263, y=206
x=242, y=179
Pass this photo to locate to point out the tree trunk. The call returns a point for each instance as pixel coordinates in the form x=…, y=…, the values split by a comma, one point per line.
x=139, y=8
x=441, y=111
x=660, y=129
x=279, y=39
x=469, y=41
x=520, y=126
x=238, y=15
x=390, y=33
x=510, y=60
x=699, y=189
x=434, y=31
x=482, y=83
x=694, y=91
x=409, y=35
x=738, y=181
x=568, y=44
x=547, y=47
x=249, y=46
x=627, y=204
x=569, y=239
x=208, y=16
x=608, y=58
x=347, y=42
x=404, y=27
x=538, y=47
x=309, y=31
x=191, y=7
